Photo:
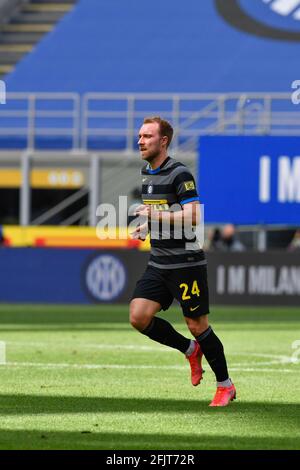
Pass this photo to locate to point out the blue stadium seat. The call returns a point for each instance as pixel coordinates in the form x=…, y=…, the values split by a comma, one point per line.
x=163, y=46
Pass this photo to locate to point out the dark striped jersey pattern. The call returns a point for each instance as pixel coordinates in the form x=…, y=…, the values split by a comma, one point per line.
x=167, y=188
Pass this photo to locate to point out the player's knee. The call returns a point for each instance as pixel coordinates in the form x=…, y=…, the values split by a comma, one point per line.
x=137, y=318
x=197, y=326
x=137, y=322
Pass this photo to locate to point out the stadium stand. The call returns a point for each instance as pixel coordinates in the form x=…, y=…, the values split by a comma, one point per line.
x=80, y=77
x=108, y=47
x=87, y=82
x=23, y=25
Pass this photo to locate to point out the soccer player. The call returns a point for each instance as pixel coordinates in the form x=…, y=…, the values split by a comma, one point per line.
x=177, y=264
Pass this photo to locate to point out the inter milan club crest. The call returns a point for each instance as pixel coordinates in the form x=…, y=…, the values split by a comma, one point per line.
x=273, y=19
x=150, y=189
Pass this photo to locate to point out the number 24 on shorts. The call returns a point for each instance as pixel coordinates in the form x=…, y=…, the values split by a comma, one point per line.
x=194, y=290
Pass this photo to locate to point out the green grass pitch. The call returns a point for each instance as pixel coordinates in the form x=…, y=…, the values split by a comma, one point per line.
x=81, y=378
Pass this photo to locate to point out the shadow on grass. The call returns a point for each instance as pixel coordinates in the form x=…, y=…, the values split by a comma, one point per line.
x=49, y=404
x=272, y=417
x=91, y=439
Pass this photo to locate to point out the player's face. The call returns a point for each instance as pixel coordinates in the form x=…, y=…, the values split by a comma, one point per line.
x=150, y=141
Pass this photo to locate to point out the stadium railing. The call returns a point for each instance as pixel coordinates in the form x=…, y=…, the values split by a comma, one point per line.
x=110, y=121
x=105, y=177
x=40, y=120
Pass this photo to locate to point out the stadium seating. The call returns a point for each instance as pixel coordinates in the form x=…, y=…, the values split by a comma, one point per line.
x=23, y=25
x=107, y=46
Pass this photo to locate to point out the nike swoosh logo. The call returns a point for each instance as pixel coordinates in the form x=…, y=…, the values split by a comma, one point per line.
x=192, y=309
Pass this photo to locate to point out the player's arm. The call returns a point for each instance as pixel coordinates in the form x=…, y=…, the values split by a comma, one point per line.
x=185, y=188
x=140, y=232
x=186, y=192
x=189, y=214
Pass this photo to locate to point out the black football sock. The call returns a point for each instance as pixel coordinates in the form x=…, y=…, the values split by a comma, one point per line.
x=163, y=332
x=213, y=351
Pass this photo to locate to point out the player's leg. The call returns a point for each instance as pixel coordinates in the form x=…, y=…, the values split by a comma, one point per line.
x=213, y=350
x=149, y=297
x=190, y=287
x=142, y=312
x=178, y=283
x=142, y=318
x=211, y=346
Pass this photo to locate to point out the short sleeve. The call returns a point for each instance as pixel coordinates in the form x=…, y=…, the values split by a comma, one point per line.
x=185, y=187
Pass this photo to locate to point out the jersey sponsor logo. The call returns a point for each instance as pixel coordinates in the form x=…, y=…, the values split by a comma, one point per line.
x=105, y=278
x=157, y=204
x=274, y=19
x=161, y=207
x=189, y=185
x=155, y=201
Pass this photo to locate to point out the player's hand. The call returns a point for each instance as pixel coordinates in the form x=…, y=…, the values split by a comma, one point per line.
x=147, y=211
x=143, y=210
x=140, y=232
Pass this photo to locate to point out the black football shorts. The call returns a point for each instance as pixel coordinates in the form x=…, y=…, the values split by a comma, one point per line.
x=188, y=286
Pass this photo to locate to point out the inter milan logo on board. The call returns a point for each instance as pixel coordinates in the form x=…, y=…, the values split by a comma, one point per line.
x=274, y=19
x=105, y=278
x=150, y=189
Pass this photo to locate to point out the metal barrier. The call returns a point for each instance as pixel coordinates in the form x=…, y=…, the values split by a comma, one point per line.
x=110, y=121
x=107, y=172
x=193, y=115
x=29, y=116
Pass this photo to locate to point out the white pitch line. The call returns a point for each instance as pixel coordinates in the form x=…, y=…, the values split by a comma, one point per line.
x=131, y=347
x=135, y=347
x=62, y=365
x=277, y=356
x=120, y=366
x=279, y=359
x=243, y=369
x=290, y=360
